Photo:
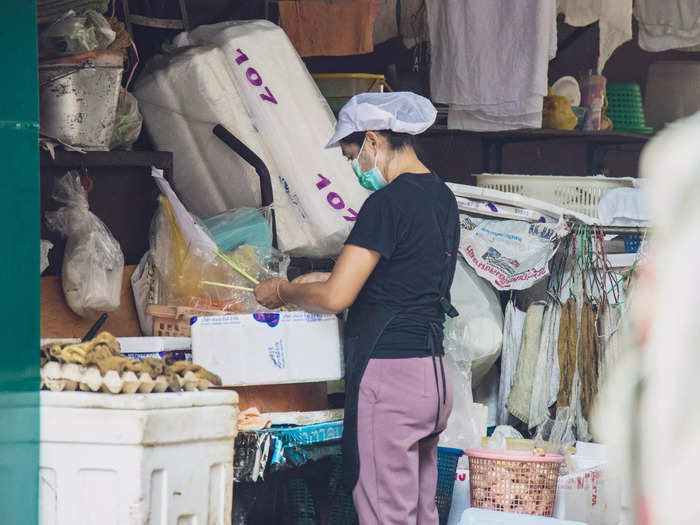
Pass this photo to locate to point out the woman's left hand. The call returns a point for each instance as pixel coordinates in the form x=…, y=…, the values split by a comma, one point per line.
x=267, y=293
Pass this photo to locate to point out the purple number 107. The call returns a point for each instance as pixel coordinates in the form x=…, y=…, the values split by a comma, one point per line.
x=334, y=200
x=254, y=78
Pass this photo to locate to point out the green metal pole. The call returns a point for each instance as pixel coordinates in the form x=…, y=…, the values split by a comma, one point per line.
x=19, y=265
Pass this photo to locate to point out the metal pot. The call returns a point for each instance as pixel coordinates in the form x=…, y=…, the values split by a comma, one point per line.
x=78, y=101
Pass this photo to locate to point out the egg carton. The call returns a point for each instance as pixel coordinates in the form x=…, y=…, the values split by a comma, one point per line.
x=58, y=377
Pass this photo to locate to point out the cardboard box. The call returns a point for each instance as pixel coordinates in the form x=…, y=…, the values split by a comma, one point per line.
x=271, y=348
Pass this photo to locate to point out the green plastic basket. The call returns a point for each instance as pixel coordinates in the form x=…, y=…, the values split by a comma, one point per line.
x=626, y=109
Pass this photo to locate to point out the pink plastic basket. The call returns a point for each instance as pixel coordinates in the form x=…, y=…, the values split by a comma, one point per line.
x=513, y=481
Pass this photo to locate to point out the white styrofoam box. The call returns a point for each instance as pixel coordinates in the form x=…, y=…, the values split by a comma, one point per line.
x=294, y=123
x=179, y=348
x=273, y=348
x=492, y=517
x=146, y=345
x=163, y=459
x=461, y=497
x=182, y=97
x=43, y=342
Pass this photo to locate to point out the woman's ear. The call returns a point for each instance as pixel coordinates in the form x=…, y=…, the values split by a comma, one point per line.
x=372, y=139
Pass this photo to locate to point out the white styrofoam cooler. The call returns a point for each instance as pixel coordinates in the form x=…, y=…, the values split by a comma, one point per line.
x=271, y=348
x=157, y=459
x=492, y=517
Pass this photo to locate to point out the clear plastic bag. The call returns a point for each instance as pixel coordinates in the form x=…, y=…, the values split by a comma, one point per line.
x=127, y=122
x=93, y=262
x=234, y=228
x=478, y=330
x=74, y=35
x=501, y=434
x=182, y=268
x=462, y=430
x=45, y=248
x=556, y=436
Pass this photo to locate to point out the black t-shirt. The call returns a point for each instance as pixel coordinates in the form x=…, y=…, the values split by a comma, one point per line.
x=404, y=222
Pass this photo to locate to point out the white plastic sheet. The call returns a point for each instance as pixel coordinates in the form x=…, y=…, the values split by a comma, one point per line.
x=293, y=123
x=512, y=255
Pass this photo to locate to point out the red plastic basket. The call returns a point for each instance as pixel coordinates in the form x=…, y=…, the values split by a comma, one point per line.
x=513, y=481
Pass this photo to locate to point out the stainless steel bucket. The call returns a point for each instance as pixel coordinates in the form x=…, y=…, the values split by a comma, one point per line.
x=78, y=101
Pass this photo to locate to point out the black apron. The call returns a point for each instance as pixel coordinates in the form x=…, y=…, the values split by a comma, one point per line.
x=363, y=329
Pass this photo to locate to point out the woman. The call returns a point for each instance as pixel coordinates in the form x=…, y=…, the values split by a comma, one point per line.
x=394, y=274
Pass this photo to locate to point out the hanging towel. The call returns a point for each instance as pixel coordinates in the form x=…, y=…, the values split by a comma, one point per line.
x=547, y=365
x=318, y=28
x=521, y=393
x=668, y=24
x=614, y=19
x=490, y=59
x=566, y=345
x=512, y=338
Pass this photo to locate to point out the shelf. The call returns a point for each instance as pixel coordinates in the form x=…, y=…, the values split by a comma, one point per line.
x=524, y=135
x=103, y=159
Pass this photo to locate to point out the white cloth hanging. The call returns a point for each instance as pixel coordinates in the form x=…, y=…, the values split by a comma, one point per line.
x=512, y=337
x=668, y=24
x=489, y=60
x=614, y=19
x=545, y=370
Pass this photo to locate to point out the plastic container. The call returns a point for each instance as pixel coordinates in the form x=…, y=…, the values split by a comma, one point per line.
x=672, y=92
x=338, y=88
x=592, y=97
x=578, y=194
x=447, y=468
x=135, y=459
x=625, y=108
x=491, y=517
x=174, y=321
x=78, y=99
x=513, y=481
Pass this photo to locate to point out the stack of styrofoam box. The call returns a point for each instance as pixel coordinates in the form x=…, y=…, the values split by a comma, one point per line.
x=163, y=459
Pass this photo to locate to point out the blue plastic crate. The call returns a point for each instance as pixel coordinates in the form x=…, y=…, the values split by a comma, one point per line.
x=632, y=243
x=447, y=470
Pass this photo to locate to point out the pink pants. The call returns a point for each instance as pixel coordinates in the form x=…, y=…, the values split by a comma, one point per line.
x=398, y=404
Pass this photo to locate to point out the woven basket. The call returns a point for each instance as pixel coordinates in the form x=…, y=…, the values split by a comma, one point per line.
x=511, y=481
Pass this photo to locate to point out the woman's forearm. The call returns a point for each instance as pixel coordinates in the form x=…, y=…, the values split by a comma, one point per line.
x=312, y=297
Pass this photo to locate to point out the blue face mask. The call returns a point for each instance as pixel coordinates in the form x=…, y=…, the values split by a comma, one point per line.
x=372, y=179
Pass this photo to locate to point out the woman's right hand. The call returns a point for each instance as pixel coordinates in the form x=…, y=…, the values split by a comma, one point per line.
x=313, y=277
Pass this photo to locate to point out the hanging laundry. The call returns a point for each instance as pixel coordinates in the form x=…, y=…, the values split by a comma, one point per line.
x=547, y=364
x=614, y=19
x=588, y=358
x=318, y=28
x=566, y=348
x=668, y=24
x=521, y=394
x=612, y=327
x=489, y=60
x=409, y=22
x=512, y=338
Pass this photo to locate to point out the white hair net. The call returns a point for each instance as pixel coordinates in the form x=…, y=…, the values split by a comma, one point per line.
x=402, y=112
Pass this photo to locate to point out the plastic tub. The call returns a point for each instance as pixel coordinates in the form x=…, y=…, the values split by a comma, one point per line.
x=513, y=481
x=672, y=92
